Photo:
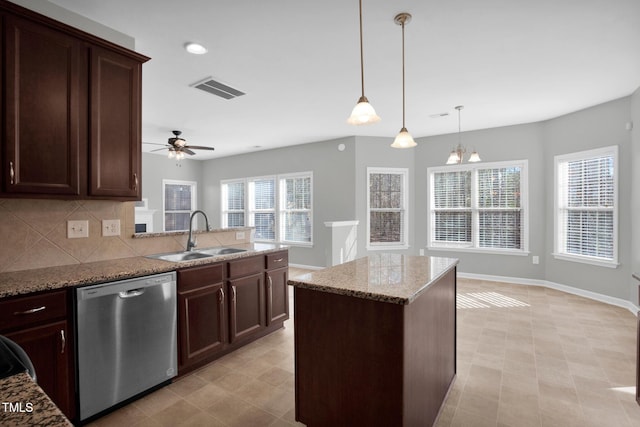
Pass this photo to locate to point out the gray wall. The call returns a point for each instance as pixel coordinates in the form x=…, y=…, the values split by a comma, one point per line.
x=498, y=144
x=599, y=126
x=340, y=191
x=333, y=185
x=635, y=195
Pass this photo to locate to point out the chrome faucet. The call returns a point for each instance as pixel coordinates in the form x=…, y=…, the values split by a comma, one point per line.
x=192, y=242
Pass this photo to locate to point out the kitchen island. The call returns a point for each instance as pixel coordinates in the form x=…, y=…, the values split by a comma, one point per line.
x=375, y=341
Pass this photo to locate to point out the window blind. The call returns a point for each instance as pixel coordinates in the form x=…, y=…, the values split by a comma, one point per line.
x=478, y=206
x=233, y=196
x=262, y=207
x=296, y=209
x=179, y=201
x=586, y=205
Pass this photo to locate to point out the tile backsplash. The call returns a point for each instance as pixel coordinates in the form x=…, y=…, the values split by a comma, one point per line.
x=34, y=234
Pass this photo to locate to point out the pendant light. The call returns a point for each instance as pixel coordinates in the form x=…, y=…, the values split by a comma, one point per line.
x=455, y=157
x=363, y=113
x=404, y=138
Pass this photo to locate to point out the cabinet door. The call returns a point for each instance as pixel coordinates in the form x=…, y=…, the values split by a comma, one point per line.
x=115, y=144
x=202, y=323
x=247, y=306
x=44, y=126
x=49, y=349
x=277, y=295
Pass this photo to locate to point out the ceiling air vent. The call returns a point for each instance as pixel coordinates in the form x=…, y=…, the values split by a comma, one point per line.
x=217, y=88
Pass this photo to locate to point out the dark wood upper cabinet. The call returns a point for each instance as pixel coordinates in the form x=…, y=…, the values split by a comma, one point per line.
x=43, y=119
x=71, y=111
x=115, y=88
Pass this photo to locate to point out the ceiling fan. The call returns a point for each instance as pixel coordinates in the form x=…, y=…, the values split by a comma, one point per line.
x=178, y=146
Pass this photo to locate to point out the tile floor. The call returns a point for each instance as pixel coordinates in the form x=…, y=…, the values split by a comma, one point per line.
x=527, y=356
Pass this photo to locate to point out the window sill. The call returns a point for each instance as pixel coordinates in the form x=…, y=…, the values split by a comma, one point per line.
x=388, y=248
x=491, y=251
x=586, y=260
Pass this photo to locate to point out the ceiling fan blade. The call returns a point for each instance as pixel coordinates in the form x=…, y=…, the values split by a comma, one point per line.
x=200, y=147
x=154, y=143
x=158, y=149
x=186, y=150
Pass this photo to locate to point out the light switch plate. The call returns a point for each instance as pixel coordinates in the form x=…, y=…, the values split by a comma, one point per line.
x=77, y=229
x=110, y=227
x=239, y=235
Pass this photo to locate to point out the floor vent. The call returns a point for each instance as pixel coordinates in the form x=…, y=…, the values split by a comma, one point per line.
x=217, y=88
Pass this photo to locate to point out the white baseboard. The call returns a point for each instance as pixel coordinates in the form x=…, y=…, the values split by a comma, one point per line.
x=618, y=302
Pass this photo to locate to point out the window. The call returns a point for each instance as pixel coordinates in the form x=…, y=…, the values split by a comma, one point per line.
x=295, y=208
x=279, y=207
x=262, y=207
x=179, y=201
x=586, y=206
x=233, y=204
x=387, y=208
x=479, y=207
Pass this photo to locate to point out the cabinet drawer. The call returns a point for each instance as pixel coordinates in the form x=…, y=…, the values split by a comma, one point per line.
x=195, y=277
x=277, y=260
x=246, y=266
x=25, y=311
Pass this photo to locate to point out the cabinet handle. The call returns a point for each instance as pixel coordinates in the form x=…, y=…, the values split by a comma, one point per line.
x=64, y=341
x=233, y=294
x=31, y=311
x=278, y=260
x=135, y=180
x=221, y=296
x=12, y=173
x=270, y=292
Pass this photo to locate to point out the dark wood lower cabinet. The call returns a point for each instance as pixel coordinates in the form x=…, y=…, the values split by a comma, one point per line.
x=226, y=305
x=247, y=307
x=202, y=315
x=277, y=295
x=50, y=352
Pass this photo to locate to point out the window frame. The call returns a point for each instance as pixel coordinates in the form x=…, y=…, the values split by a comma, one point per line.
x=278, y=210
x=194, y=200
x=475, y=209
x=282, y=210
x=404, y=210
x=251, y=210
x=558, y=208
x=224, y=202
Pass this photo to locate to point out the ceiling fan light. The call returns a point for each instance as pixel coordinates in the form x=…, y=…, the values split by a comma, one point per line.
x=172, y=153
x=363, y=113
x=403, y=140
x=453, y=158
x=474, y=157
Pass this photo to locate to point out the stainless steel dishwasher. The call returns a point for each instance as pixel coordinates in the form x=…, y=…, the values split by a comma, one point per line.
x=127, y=339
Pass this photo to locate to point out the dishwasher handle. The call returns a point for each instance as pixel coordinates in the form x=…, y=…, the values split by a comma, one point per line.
x=131, y=293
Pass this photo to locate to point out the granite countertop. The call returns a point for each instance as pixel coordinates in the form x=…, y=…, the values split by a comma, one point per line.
x=30, y=405
x=386, y=277
x=42, y=279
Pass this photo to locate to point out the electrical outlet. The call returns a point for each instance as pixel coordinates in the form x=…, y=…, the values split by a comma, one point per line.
x=239, y=235
x=77, y=229
x=110, y=227
x=421, y=252
x=535, y=259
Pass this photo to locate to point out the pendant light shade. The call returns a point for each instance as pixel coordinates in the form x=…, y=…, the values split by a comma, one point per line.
x=404, y=138
x=363, y=113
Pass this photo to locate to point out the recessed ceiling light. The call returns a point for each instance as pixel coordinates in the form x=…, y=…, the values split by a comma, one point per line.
x=195, y=48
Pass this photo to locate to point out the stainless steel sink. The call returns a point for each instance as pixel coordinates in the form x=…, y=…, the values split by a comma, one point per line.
x=221, y=251
x=193, y=255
